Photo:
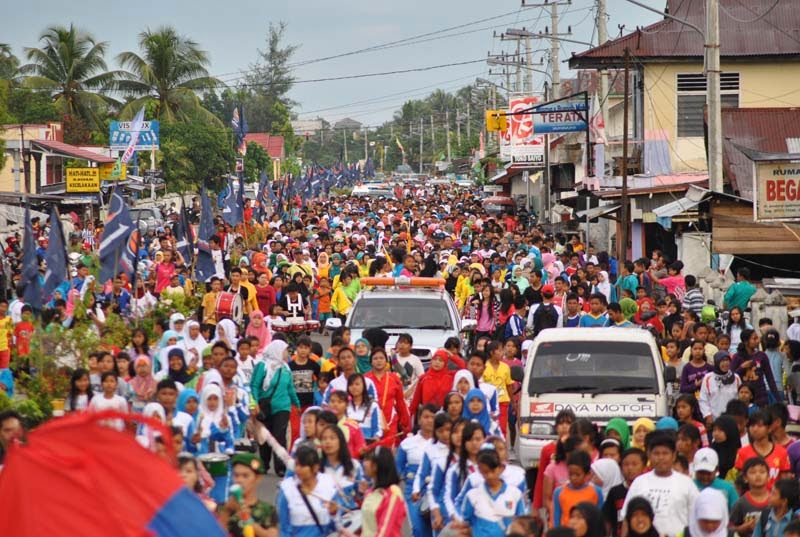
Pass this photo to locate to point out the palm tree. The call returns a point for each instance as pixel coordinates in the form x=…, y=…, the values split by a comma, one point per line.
x=167, y=75
x=71, y=65
x=8, y=62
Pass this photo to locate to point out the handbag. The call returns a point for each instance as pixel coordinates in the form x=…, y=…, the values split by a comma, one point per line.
x=265, y=403
x=310, y=509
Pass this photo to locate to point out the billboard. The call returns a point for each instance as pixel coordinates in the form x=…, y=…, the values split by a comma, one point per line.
x=107, y=167
x=83, y=180
x=120, y=136
x=519, y=141
x=777, y=191
x=567, y=115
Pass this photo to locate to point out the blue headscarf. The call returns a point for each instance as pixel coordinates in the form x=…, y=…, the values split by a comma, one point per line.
x=667, y=423
x=183, y=398
x=483, y=416
x=7, y=379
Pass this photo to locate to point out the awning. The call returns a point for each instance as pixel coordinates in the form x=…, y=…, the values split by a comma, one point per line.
x=597, y=212
x=61, y=149
x=694, y=197
x=17, y=214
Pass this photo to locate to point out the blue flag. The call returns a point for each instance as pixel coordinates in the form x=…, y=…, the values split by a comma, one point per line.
x=30, y=278
x=232, y=207
x=184, y=242
x=239, y=125
x=55, y=256
x=264, y=197
x=114, y=248
x=204, y=268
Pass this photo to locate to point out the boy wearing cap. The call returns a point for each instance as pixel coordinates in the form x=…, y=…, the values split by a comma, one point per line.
x=248, y=469
x=706, y=467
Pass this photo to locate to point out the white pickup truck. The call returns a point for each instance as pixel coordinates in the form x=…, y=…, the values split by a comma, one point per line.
x=598, y=373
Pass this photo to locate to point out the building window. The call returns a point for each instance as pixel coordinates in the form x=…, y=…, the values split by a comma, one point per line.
x=691, y=90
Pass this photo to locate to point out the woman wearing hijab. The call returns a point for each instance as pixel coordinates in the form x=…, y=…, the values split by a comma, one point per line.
x=726, y=441
x=193, y=344
x=603, y=286
x=463, y=382
x=586, y=520
x=718, y=387
x=258, y=328
x=709, y=515
x=143, y=384
x=606, y=474
x=174, y=320
x=273, y=389
x=177, y=370
x=146, y=435
x=473, y=411
x=189, y=402
x=212, y=423
x=629, y=308
x=434, y=384
x=226, y=332
x=169, y=339
x=640, y=428
x=361, y=349
x=639, y=517
x=519, y=280
x=618, y=428
x=323, y=265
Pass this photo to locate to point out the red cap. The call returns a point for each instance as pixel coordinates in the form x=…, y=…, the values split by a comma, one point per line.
x=548, y=290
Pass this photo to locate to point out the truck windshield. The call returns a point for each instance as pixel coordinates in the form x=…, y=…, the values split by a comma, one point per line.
x=593, y=367
x=399, y=312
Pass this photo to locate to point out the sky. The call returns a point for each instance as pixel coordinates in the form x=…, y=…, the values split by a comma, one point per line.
x=232, y=32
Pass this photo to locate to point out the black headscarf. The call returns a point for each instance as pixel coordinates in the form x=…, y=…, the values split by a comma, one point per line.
x=182, y=375
x=726, y=451
x=640, y=504
x=595, y=523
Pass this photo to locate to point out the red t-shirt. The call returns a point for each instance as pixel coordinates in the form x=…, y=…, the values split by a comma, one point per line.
x=23, y=332
x=777, y=461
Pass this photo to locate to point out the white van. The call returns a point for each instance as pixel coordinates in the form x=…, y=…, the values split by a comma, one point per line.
x=598, y=373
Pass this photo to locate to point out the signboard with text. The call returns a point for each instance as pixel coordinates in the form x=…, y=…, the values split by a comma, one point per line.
x=107, y=168
x=522, y=145
x=120, y=136
x=83, y=180
x=568, y=115
x=777, y=191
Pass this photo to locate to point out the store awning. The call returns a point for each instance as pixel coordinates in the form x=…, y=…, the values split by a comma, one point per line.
x=60, y=149
x=597, y=212
x=16, y=214
x=693, y=197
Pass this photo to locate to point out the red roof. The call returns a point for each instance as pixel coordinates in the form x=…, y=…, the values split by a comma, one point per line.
x=740, y=34
x=761, y=129
x=273, y=145
x=71, y=151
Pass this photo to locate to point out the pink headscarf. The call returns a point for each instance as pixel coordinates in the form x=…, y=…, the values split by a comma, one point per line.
x=262, y=332
x=144, y=387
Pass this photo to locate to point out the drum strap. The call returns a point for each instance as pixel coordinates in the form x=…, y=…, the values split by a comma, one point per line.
x=310, y=509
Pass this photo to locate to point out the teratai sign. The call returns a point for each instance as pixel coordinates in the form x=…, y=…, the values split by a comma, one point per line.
x=777, y=191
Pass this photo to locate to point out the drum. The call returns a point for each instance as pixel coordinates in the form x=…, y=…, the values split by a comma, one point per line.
x=218, y=466
x=297, y=324
x=279, y=325
x=312, y=325
x=351, y=521
x=230, y=306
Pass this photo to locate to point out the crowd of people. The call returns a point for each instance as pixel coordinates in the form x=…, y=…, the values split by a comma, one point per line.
x=365, y=437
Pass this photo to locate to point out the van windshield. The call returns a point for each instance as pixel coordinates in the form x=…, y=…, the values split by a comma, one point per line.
x=593, y=367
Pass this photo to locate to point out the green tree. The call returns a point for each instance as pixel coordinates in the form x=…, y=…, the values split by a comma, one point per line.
x=195, y=153
x=169, y=72
x=71, y=66
x=28, y=106
x=256, y=161
x=8, y=63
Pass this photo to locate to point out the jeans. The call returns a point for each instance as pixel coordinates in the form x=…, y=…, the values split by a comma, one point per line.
x=276, y=424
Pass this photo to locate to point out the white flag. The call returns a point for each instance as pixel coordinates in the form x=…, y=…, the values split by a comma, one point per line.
x=136, y=127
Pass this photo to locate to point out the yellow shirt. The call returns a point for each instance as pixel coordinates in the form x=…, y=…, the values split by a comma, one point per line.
x=252, y=302
x=500, y=378
x=340, y=304
x=210, y=308
x=6, y=328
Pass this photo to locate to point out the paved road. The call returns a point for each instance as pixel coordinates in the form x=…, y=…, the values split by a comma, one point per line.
x=268, y=489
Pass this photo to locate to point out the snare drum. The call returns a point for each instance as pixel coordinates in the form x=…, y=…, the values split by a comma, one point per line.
x=297, y=324
x=218, y=466
x=279, y=325
x=230, y=306
x=312, y=325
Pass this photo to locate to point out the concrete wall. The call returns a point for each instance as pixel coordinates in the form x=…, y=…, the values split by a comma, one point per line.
x=761, y=85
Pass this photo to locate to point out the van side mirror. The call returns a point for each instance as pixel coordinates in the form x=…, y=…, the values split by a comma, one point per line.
x=670, y=374
x=517, y=373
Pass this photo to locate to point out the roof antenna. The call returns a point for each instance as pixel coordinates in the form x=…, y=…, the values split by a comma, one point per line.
x=621, y=28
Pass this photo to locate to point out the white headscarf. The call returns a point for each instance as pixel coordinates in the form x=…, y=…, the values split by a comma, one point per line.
x=273, y=360
x=303, y=432
x=174, y=318
x=207, y=417
x=466, y=375
x=145, y=434
x=199, y=343
x=709, y=505
x=608, y=471
x=604, y=286
x=229, y=328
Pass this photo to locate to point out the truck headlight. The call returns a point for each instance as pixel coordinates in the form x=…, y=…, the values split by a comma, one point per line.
x=536, y=429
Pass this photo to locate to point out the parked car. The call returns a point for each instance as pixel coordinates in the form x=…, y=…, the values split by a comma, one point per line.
x=149, y=219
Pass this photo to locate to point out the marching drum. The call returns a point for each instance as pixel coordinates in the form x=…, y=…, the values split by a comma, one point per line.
x=279, y=325
x=312, y=325
x=297, y=324
x=218, y=466
x=230, y=306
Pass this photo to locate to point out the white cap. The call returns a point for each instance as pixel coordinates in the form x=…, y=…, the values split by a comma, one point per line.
x=706, y=460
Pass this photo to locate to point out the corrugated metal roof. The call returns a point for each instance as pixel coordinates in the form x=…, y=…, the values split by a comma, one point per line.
x=761, y=129
x=272, y=144
x=776, y=34
x=67, y=150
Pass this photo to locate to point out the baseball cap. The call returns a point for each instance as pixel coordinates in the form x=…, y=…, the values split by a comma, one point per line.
x=548, y=290
x=706, y=460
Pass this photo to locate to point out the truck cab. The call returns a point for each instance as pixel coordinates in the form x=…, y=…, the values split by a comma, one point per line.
x=598, y=373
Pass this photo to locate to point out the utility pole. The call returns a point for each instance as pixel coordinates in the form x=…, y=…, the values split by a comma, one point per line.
x=458, y=127
x=447, y=121
x=622, y=239
x=421, y=137
x=344, y=133
x=433, y=139
x=602, y=37
x=519, y=87
x=366, y=150
x=554, y=52
x=713, y=97
x=469, y=131
x=528, y=63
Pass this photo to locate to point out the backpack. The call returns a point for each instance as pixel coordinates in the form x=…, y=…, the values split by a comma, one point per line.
x=545, y=316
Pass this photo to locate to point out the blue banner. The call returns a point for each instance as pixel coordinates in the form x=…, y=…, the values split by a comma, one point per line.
x=120, y=136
